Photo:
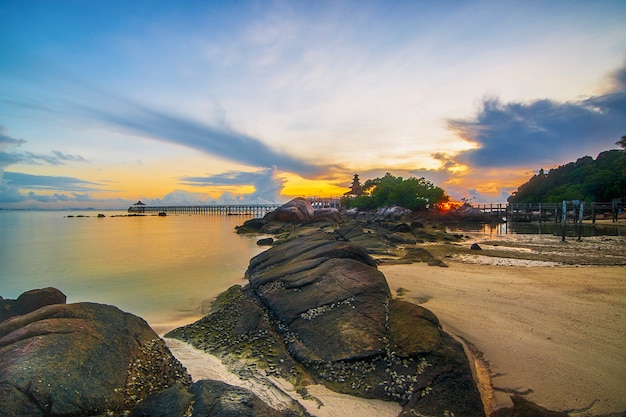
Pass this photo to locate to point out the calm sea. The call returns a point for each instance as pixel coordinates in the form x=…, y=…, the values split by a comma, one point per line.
x=164, y=269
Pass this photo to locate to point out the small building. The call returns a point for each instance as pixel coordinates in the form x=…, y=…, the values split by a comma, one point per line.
x=356, y=189
x=138, y=207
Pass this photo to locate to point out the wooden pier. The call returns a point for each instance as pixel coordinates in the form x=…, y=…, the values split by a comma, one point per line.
x=257, y=210
x=574, y=209
x=572, y=212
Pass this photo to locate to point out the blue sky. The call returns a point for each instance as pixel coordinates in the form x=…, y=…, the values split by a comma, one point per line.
x=106, y=102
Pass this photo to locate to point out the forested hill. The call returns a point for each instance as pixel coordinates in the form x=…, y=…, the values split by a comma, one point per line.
x=602, y=179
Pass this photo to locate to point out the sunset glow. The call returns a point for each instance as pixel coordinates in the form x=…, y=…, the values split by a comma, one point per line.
x=103, y=104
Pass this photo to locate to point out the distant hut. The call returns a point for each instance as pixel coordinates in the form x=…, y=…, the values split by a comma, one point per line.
x=138, y=207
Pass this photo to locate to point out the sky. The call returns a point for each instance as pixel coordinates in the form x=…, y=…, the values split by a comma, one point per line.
x=103, y=103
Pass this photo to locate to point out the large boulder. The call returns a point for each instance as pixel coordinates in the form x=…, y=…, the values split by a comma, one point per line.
x=334, y=307
x=35, y=299
x=393, y=213
x=174, y=401
x=328, y=213
x=217, y=399
x=317, y=310
x=81, y=359
x=251, y=226
x=30, y=301
x=297, y=210
x=206, y=398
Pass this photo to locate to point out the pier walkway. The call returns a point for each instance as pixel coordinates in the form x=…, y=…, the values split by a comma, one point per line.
x=224, y=209
x=575, y=210
x=544, y=212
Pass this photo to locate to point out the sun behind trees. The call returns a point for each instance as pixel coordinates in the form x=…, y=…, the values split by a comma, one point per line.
x=412, y=193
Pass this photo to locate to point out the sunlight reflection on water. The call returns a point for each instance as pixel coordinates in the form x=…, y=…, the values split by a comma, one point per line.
x=544, y=228
x=160, y=268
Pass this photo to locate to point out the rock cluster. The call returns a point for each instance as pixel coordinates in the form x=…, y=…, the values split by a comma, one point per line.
x=318, y=310
x=297, y=211
x=88, y=359
x=80, y=359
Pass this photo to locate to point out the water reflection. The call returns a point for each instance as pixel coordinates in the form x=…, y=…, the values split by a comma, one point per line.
x=588, y=229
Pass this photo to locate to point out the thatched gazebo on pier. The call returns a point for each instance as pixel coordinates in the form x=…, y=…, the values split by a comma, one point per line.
x=138, y=207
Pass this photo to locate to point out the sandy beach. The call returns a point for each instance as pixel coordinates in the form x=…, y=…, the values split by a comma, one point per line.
x=553, y=333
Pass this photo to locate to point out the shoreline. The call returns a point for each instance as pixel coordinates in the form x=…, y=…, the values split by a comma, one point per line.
x=554, y=335
x=537, y=317
x=318, y=400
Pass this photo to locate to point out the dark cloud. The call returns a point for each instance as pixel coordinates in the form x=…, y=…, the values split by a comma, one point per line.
x=220, y=141
x=619, y=78
x=6, y=140
x=11, y=183
x=66, y=157
x=54, y=158
x=10, y=194
x=45, y=182
x=61, y=197
x=543, y=131
x=13, y=157
x=226, y=178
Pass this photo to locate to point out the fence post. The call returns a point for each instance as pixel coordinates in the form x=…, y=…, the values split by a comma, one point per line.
x=563, y=221
x=593, y=212
x=580, y=221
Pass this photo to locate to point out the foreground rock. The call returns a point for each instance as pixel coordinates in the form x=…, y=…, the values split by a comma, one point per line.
x=30, y=301
x=81, y=359
x=89, y=359
x=318, y=311
x=206, y=398
x=327, y=293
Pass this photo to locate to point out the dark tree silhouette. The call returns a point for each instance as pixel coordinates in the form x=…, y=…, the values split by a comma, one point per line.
x=602, y=179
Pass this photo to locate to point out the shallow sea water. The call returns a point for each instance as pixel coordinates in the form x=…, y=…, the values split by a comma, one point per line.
x=164, y=269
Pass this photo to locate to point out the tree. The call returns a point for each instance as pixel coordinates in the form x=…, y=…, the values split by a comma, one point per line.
x=586, y=179
x=412, y=193
x=622, y=143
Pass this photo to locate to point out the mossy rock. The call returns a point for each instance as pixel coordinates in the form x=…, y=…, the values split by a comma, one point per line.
x=413, y=330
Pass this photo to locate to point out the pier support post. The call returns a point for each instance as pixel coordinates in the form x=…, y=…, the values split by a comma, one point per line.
x=580, y=221
x=563, y=221
x=593, y=212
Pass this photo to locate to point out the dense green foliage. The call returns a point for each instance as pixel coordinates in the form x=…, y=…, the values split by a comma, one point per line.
x=586, y=179
x=412, y=193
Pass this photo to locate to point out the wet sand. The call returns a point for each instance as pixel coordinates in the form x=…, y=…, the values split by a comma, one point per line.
x=277, y=392
x=555, y=334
